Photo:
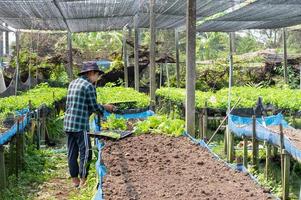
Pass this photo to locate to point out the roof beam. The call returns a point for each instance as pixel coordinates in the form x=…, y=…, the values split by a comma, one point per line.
x=59, y=9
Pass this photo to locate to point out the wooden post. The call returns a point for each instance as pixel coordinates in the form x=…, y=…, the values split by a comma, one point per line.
x=201, y=127
x=230, y=155
x=152, y=54
x=136, y=53
x=38, y=129
x=125, y=58
x=245, y=151
x=255, y=144
x=161, y=75
x=190, y=66
x=281, y=150
x=18, y=149
x=286, y=174
x=70, y=60
x=43, y=127
x=177, y=58
x=285, y=56
x=274, y=151
x=268, y=161
x=205, y=123
x=2, y=169
x=17, y=60
x=12, y=156
x=226, y=141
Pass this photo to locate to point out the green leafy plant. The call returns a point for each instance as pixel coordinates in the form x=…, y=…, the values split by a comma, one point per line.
x=160, y=124
x=114, y=123
x=130, y=97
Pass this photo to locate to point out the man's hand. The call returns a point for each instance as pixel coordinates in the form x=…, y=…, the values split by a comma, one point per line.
x=109, y=107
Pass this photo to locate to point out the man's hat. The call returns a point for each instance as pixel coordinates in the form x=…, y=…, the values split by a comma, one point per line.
x=90, y=66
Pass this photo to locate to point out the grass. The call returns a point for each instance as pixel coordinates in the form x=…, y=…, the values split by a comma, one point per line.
x=40, y=166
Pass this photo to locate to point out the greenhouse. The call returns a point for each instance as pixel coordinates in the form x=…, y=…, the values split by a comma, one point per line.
x=150, y=99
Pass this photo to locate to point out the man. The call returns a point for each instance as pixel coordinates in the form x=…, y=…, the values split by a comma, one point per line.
x=81, y=103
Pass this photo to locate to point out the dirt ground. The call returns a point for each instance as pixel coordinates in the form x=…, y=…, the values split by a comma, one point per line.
x=158, y=167
x=59, y=187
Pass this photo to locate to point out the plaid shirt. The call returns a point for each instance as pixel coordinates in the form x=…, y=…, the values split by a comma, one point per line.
x=81, y=103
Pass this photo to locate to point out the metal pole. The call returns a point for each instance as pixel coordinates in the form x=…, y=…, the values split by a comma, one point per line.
x=6, y=42
x=17, y=60
x=136, y=53
x=1, y=45
x=70, y=60
x=230, y=70
x=152, y=66
x=190, y=66
x=177, y=58
x=125, y=59
x=285, y=56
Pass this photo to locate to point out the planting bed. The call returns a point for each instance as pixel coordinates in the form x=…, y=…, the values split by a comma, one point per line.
x=294, y=135
x=162, y=167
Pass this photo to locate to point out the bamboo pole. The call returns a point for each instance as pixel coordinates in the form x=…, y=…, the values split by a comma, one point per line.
x=136, y=53
x=205, y=123
x=125, y=59
x=18, y=149
x=201, y=127
x=286, y=174
x=285, y=56
x=230, y=146
x=245, y=151
x=268, y=161
x=70, y=59
x=177, y=58
x=254, y=144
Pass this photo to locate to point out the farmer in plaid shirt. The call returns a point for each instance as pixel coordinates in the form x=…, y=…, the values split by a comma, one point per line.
x=81, y=103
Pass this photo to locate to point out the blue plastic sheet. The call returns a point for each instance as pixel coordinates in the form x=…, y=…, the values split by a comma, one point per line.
x=7, y=135
x=100, y=167
x=242, y=126
x=140, y=115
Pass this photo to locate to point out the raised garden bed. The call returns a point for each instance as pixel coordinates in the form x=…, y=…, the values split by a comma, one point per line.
x=162, y=167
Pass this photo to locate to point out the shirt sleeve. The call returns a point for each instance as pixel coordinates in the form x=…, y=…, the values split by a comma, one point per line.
x=91, y=99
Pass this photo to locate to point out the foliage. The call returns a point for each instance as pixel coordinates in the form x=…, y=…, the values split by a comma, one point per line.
x=160, y=124
x=55, y=126
x=212, y=45
x=246, y=44
x=39, y=95
x=283, y=98
x=40, y=165
x=125, y=97
x=114, y=123
x=98, y=43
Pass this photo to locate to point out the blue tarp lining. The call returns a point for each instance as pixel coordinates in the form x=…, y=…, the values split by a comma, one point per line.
x=100, y=167
x=7, y=135
x=139, y=115
x=242, y=126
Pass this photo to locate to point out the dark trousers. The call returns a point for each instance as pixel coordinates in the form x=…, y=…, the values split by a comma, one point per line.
x=79, y=143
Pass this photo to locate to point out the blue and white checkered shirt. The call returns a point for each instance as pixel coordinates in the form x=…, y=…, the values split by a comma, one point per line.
x=81, y=103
